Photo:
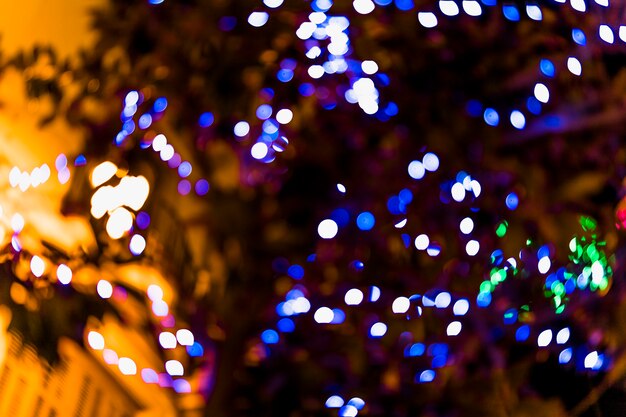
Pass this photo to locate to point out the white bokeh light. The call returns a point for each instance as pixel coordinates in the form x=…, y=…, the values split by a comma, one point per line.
x=185, y=337
x=284, y=116
x=449, y=7
x=466, y=226
x=542, y=93
x=95, y=340
x=64, y=274
x=327, y=229
x=127, y=366
x=622, y=33
x=544, y=265
x=427, y=19
x=606, y=34
x=534, y=12
x=579, y=5
x=457, y=192
x=443, y=300
x=167, y=340
x=258, y=19
x=416, y=170
x=159, y=142
x=460, y=307
x=37, y=266
x=454, y=328
x=574, y=66
x=119, y=222
x=472, y=247
x=562, y=336
x=104, y=288
x=353, y=297
x=17, y=222
x=316, y=71
x=400, y=224
x=472, y=7
x=323, y=315
x=174, y=368
x=591, y=359
x=400, y=305
x=241, y=129
x=137, y=244
x=273, y=3
x=378, y=329
x=104, y=172
x=166, y=153
x=369, y=67
x=544, y=338
x=363, y=6
x=154, y=292
x=517, y=119
x=430, y=162
x=259, y=150
x=421, y=242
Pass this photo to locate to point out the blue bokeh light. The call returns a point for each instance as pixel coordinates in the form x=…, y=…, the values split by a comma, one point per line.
x=184, y=169
x=511, y=12
x=404, y=5
x=483, y=299
x=286, y=325
x=206, y=119
x=144, y=121
x=547, y=67
x=295, y=271
x=284, y=75
x=579, y=37
x=533, y=105
x=512, y=201
x=491, y=117
x=195, y=350
x=522, y=333
x=160, y=104
x=202, y=187
x=365, y=221
x=427, y=376
x=264, y=111
x=270, y=336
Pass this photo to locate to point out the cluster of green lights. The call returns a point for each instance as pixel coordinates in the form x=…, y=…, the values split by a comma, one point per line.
x=589, y=254
x=592, y=267
x=499, y=272
x=558, y=293
x=497, y=276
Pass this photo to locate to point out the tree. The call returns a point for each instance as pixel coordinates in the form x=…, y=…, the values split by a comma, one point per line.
x=455, y=151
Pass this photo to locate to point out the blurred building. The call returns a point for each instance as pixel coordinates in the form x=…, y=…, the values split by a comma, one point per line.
x=77, y=387
x=45, y=216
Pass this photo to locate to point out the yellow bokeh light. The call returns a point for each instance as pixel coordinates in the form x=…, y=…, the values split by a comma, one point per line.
x=19, y=294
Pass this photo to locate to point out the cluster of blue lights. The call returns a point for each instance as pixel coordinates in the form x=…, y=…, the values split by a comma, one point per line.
x=326, y=39
x=159, y=143
x=350, y=408
x=271, y=140
x=132, y=101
